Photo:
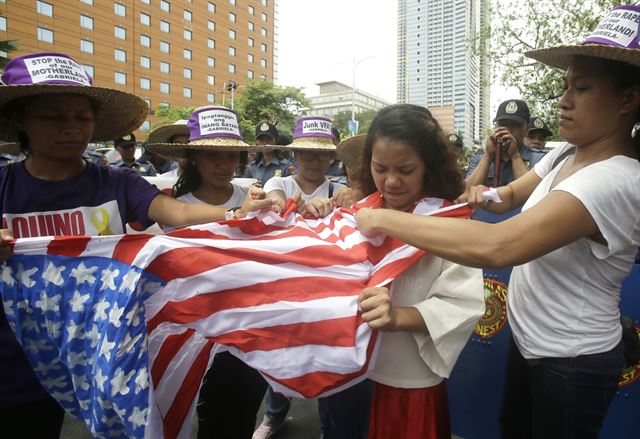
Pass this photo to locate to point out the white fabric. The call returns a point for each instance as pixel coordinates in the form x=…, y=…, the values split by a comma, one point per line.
x=289, y=186
x=565, y=303
x=236, y=199
x=450, y=299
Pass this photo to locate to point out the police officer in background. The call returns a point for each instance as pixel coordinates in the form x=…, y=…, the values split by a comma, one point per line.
x=336, y=172
x=538, y=135
x=269, y=162
x=126, y=146
x=511, y=127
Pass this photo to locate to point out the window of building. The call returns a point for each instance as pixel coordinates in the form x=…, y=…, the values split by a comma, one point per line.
x=165, y=47
x=186, y=54
x=211, y=25
x=211, y=80
x=264, y=2
x=251, y=26
x=232, y=17
x=44, y=8
x=89, y=2
x=232, y=68
x=232, y=51
x=145, y=83
x=120, y=32
x=250, y=74
x=232, y=34
x=263, y=32
x=186, y=73
x=211, y=43
x=263, y=77
x=250, y=41
x=120, y=10
x=146, y=126
x=211, y=98
x=252, y=10
x=145, y=62
x=45, y=35
x=120, y=78
x=145, y=41
x=186, y=92
x=146, y=2
x=263, y=16
x=187, y=15
x=165, y=26
x=85, y=22
x=165, y=6
x=263, y=63
x=250, y=58
x=232, y=2
x=148, y=101
x=164, y=87
x=211, y=62
x=263, y=47
x=211, y=7
x=165, y=67
x=120, y=55
x=89, y=69
x=86, y=46
x=145, y=19
x=187, y=34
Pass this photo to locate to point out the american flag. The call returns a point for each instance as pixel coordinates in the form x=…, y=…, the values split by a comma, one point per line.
x=121, y=329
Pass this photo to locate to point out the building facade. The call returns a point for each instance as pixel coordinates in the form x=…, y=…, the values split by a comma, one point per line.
x=336, y=97
x=174, y=53
x=441, y=64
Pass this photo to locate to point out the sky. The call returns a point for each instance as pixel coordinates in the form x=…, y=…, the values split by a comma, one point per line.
x=318, y=41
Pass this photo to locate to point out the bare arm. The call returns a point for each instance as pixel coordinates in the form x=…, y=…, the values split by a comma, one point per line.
x=518, y=165
x=554, y=222
x=513, y=195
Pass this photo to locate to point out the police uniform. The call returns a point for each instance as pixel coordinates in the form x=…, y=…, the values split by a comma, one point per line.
x=530, y=157
x=275, y=168
x=96, y=158
x=145, y=169
x=167, y=166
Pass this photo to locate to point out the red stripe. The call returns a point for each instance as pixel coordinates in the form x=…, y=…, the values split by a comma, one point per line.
x=339, y=332
x=171, y=345
x=129, y=246
x=314, y=384
x=393, y=269
x=289, y=289
x=68, y=245
x=177, y=413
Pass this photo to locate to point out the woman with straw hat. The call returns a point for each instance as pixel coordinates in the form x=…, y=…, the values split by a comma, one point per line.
x=176, y=132
x=566, y=357
x=49, y=105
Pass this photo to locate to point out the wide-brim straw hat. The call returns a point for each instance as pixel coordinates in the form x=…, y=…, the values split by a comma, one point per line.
x=350, y=151
x=210, y=129
x=10, y=148
x=312, y=133
x=611, y=39
x=164, y=133
x=118, y=112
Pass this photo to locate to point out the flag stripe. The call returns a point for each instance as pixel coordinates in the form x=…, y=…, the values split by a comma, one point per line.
x=169, y=348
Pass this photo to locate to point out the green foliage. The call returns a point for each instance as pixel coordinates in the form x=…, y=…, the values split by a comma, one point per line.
x=168, y=115
x=518, y=27
x=261, y=100
x=341, y=121
x=7, y=46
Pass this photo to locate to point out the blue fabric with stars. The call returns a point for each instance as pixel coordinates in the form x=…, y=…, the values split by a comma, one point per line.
x=81, y=323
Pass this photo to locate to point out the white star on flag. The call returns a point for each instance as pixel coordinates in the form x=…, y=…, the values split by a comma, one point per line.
x=83, y=274
x=53, y=274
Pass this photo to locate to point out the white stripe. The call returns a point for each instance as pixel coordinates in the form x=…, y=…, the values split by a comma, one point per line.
x=32, y=246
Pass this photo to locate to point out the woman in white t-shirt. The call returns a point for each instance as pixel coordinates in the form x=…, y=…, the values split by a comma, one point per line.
x=572, y=245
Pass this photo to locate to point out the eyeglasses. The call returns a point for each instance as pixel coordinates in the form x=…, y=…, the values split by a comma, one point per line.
x=323, y=156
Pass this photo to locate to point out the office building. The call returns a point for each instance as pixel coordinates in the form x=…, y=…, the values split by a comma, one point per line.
x=336, y=97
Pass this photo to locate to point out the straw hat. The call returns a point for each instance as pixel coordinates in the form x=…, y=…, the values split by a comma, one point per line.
x=164, y=133
x=119, y=112
x=350, y=151
x=210, y=129
x=10, y=148
x=312, y=133
x=615, y=38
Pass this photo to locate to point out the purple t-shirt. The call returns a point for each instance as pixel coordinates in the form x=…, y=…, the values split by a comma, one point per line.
x=98, y=201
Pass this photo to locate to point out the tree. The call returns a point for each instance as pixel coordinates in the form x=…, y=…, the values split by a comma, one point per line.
x=261, y=100
x=518, y=27
x=168, y=115
x=341, y=121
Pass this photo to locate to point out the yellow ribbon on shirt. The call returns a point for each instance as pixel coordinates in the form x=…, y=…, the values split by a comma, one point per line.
x=101, y=224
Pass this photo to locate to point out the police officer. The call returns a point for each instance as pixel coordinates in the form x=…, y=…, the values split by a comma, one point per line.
x=96, y=157
x=126, y=146
x=538, y=134
x=336, y=171
x=511, y=127
x=269, y=162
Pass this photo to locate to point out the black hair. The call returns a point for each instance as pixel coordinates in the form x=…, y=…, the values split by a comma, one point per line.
x=190, y=179
x=418, y=128
x=19, y=105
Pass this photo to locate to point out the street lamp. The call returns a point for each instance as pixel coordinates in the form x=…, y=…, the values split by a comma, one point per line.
x=353, y=127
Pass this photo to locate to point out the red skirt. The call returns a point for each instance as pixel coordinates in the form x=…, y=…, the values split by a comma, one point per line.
x=410, y=413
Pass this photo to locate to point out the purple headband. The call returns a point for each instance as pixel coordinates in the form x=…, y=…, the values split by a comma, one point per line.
x=207, y=122
x=620, y=28
x=45, y=68
x=313, y=126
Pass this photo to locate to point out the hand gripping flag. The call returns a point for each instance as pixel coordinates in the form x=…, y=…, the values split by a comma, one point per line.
x=121, y=329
